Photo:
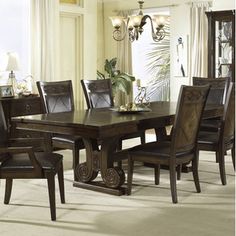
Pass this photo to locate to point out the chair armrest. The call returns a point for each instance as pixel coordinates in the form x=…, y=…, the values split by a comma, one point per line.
x=21, y=150
x=36, y=143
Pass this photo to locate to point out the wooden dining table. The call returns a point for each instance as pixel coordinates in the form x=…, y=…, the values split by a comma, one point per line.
x=107, y=126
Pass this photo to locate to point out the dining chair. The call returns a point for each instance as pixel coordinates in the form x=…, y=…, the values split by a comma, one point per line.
x=58, y=97
x=217, y=96
x=98, y=94
x=21, y=162
x=181, y=148
x=223, y=140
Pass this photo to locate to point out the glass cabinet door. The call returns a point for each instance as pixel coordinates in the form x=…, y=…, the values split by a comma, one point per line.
x=221, y=44
x=223, y=49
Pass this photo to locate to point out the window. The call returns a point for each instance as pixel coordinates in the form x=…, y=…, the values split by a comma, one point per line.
x=151, y=62
x=15, y=35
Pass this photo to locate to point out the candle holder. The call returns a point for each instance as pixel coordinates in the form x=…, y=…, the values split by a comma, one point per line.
x=142, y=100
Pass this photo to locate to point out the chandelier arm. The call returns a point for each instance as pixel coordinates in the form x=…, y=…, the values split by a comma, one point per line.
x=117, y=35
x=159, y=35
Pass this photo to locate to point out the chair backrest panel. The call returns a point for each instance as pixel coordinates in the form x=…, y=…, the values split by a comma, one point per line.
x=218, y=89
x=56, y=96
x=229, y=114
x=3, y=128
x=98, y=93
x=189, y=110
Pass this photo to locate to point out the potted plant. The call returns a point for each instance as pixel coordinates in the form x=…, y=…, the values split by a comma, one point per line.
x=120, y=81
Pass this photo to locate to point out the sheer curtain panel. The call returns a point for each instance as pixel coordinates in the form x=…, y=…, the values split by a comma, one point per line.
x=45, y=39
x=199, y=31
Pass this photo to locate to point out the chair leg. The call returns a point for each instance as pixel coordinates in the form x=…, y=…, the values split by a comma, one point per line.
x=8, y=189
x=195, y=172
x=217, y=157
x=222, y=166
x=130, y=175
x=173, y=183
x=157, y=174
x=119, y=145
x=179, y=170
x=61, y=184
x=119, y=164
x=233, y=155
x=143, y=138
x=75, y=152
x=51, y=192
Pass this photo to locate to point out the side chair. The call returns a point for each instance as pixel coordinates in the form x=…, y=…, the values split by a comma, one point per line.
x=224, y=139
x=217, y=96
x=182, y=146
x=58, y=97
x=98, y=94
x=20, y=162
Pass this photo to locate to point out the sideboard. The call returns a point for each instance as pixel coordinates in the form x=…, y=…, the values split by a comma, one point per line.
x=20, y=106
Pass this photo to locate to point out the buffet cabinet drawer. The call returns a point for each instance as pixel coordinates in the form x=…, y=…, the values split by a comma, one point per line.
x=23, y=107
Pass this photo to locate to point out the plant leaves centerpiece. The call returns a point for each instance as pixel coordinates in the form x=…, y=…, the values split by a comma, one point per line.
x=120, y=81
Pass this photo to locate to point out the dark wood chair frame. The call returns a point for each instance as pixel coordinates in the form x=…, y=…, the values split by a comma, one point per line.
x=182, y=147
x=58, y=89
x=33, y=166
x=224, y=139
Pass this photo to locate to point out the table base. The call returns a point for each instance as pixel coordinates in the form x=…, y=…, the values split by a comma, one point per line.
x=99, y=186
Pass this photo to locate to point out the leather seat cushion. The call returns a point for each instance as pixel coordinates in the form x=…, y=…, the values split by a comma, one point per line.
x=160, y=151
x=48, y=161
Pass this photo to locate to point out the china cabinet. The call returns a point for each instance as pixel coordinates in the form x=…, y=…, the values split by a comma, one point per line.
x=221, y=44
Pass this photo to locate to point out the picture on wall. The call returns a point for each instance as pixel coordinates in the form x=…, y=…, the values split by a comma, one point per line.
x=181, y=56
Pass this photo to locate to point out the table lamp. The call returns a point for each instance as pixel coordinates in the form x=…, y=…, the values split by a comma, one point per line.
x=12, y=65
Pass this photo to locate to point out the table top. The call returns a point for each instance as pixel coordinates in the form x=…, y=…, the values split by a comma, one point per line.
x=104, y=122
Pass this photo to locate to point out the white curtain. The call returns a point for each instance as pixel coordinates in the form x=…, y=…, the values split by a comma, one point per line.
x=124, y=59
x=199, y=31
x=45, y=39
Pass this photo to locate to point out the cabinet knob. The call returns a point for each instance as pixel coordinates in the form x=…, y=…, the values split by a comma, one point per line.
x=27, y=107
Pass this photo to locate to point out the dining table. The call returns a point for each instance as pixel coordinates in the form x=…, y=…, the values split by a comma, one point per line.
x=101, y=129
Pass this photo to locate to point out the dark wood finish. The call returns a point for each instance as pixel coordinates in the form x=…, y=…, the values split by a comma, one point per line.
x=217, y=95
x=108, y=126
x=20, y=106
x=218, y=88
x=182, y=147
x=23, y=163
x=58, y=97
x=224, y=139
x=98, y=94
x=213, y=17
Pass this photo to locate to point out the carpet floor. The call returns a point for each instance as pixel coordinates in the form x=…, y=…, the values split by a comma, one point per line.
x=148, y=211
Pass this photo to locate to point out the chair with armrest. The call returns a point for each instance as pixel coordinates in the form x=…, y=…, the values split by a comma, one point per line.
x=182, y=146
x=98, y=94
x=224, y=138
x=20, y=162
x=58, y=97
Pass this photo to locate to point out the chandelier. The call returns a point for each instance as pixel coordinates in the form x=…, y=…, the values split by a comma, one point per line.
x=134, y=26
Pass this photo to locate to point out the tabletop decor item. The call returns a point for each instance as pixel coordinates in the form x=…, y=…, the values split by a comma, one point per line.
x=142, y=99
x=12, y=65
x=6, y=91
x=121, y=81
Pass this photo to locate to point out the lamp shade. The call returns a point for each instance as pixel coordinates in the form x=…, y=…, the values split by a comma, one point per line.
x=12, y=62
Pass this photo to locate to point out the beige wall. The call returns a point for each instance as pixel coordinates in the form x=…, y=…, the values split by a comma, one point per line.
x=219, y=5
x=78, y=42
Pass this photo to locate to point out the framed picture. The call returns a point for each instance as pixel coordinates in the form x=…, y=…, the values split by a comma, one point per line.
x=181, y=56
x=6, y=91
